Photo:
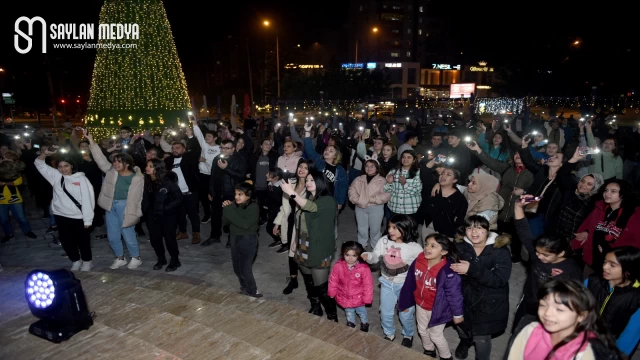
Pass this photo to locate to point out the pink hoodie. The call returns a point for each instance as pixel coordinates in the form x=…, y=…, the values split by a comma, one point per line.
x=539, y=345
x=351, y=287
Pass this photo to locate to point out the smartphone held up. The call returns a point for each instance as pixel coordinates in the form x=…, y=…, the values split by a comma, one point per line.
x=585, y=150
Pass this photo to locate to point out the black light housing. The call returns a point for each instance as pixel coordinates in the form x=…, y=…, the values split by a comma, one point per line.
x=57, y=299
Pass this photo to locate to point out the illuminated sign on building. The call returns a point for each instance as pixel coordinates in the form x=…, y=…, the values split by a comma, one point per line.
x=294, y=66
x=461, y=90
x=371, y=65
x=393, y=65
x=483, y=87
x=446, y=67
x=484, y=69
x=353, y=66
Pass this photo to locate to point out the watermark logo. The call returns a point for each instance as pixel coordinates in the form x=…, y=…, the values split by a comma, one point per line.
x=73, y=31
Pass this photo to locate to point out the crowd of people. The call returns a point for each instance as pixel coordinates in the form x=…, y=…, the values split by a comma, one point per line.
x=444, y=208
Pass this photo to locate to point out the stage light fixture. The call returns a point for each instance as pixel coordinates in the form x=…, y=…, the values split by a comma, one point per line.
x=57, y=299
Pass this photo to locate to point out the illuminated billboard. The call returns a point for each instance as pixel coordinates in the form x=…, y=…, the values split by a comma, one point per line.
x=461, y=90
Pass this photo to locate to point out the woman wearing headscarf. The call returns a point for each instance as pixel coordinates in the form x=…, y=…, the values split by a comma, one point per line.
x=483, y=198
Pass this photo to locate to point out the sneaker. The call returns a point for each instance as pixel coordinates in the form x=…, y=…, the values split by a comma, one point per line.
x=6, y=238
x=431, y=353
x=210, y=241
x=51, y=229
x=134, y=263
x=195, y=238
x=14, y=198
x=350, y=324
x=283, y=249
x=275, y=243
x=364, y=327
x=390, y=337
x=87, y=265
x=182, y=236
x=55, y=241
x=76, y=265
x=118, y=263
x=407, y=342
x=206, y=219
x=31, y=235
x=256, y=295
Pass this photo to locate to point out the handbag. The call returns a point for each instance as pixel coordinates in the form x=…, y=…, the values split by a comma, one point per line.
x=69, y=195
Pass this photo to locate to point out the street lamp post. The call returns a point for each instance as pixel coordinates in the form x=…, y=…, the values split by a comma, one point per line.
x=267, y=23
x=373, y=30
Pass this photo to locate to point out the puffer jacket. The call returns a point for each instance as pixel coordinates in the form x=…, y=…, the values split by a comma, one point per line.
x=167, y=199
x=351, y=288
x=364, y=194
x=485, y=286
x=510, y=179
x=133, y=209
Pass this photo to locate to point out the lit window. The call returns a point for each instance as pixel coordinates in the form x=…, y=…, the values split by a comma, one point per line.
x=395, y=31
x=408, y=53
x=396, y=7
x=395, y=54
x=419, y=31
x=384, y=6
x=361, y=7
x=420, y=9
x=408, y=31
x=396, y=43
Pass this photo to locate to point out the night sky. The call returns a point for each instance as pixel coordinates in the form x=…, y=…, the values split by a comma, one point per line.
x=516, y=34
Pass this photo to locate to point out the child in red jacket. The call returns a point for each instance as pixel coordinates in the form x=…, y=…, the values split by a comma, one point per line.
x=436, y=292
x=351, y=284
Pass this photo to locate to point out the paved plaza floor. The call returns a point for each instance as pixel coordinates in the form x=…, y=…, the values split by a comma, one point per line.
x=202, y=268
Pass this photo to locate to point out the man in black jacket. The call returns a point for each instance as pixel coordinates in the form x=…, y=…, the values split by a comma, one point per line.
x=228, y=169
x=185, y=165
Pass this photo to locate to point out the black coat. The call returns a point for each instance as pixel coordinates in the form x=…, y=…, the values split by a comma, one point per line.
x=485, y=287
x=165, y=201
x=189, y=167
x=223, y=181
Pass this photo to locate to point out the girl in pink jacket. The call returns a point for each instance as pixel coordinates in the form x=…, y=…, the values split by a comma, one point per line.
x=351, y=284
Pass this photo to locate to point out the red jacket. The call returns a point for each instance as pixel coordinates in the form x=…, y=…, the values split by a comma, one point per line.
x=351, y=288
x=628, y=237
x=425, y=292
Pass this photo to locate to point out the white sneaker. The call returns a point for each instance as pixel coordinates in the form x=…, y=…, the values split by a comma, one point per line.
x=76, y=265
x=117, y=263
x=134, y=263
x=87, y=265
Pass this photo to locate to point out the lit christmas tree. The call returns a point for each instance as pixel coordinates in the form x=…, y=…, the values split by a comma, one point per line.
x=141, y=86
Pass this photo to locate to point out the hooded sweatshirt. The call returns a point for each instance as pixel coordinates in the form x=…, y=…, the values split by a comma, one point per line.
x=396, y=258
x=77, y=185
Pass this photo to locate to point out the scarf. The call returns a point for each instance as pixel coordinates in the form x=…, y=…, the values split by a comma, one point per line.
x=486, y=185
x=520, y=168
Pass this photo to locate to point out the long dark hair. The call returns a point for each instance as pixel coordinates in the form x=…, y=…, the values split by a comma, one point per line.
x=629, y=259
x=125, y=159
x=628, y=204
x=446, y=244
x=576, y=297
x=555, y=245
x=503, y=149
x=159, y=166
x=322, y=189
x=407, y=227
x=414, y=167
x=375, y=163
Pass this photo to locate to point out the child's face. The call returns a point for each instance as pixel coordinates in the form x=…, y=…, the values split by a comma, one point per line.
x=433, y=250
x=477, y=234
x=241, y=197
x=350, y=257
x=556, y=317
x=611, y=270
x=546, y=257
x=394, y=233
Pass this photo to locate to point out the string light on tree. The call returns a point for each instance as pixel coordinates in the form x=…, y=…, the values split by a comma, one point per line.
x=137, y=83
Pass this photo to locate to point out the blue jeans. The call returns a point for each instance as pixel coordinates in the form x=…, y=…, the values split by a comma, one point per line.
x=18, y=212
x=114, y=220
x=362, y=314
x=389, y=294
